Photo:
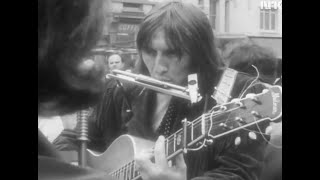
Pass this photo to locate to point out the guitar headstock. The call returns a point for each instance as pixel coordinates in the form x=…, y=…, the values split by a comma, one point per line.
x=240, y=113
x=267, y=105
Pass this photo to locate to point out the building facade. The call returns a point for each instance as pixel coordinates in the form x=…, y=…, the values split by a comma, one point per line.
x=230, y=20
x=125, y=19
x=245, y=19
x=120, y=36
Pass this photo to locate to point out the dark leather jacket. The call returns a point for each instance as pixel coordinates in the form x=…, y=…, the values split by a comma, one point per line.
x=127, y=111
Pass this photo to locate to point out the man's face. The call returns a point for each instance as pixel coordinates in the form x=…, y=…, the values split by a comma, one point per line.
x=164, y=63
x=115, y=62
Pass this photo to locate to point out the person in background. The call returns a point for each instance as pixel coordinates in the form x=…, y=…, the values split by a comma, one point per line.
x=115, y=61
x=241, y=57
x=67, y=31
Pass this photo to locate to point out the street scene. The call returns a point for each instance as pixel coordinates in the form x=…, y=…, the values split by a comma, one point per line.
x=242, y=30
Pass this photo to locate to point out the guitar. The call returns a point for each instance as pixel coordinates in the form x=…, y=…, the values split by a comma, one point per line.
x=118, y=159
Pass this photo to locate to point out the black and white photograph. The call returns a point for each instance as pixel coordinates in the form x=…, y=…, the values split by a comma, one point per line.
x=160, y=89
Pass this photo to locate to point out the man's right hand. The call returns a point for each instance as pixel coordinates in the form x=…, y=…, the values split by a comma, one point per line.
x=160, y=170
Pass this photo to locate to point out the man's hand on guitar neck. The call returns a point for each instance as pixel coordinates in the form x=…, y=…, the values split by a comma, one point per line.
x=160, y=170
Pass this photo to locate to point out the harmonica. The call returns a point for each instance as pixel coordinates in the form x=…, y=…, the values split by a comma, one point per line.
x=150, y=83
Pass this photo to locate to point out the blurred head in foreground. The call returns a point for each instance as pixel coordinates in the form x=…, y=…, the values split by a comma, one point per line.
x=67, y=31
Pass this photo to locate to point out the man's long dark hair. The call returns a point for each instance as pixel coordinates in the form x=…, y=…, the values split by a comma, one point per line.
x=67, y=31
x=187, y=29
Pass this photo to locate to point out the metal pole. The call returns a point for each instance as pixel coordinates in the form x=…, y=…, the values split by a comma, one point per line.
x=82, y=117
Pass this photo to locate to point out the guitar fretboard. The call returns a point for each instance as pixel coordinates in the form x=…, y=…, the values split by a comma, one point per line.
x=195, y=131
x=219, y=121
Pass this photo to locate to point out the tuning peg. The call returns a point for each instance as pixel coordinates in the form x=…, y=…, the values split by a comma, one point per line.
x=256, y=114
x=223, y=125
x=237, y=141
x=223, y=108
x=238, y=102
x=250, y=95
x=240, y=120
x=235, y=100
x=209, y=141
x=252, y=135
x=265, y=91
x=269, y=130
x=253, y=97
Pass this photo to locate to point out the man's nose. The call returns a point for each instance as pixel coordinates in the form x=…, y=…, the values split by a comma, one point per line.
x=161, y=66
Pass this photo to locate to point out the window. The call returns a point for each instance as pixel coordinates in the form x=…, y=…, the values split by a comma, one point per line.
x=132, y=7
x=213, y=13
x=268, y=19
x=201, y=4
x=227, y=15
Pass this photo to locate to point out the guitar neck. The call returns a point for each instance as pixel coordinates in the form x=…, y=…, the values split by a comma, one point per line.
x=221, y=120
x=173, y=147
x=215, y=123
x=196, y=130
x=174, y=143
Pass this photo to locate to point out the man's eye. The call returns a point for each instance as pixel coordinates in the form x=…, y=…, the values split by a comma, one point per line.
x=150, y=51
x=172, y=53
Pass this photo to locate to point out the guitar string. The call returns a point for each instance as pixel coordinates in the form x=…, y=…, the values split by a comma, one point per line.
x=260, y=132
x=196, y=125
x=197, y=122
x=269, y=142
x=209, y=114
x=199, y=119
x=251, y=84
x=263, y=135
x=124, y=169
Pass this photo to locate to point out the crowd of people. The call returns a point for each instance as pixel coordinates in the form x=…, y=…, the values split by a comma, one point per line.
x=175, y=39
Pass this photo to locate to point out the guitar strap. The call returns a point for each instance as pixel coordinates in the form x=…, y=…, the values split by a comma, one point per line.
x=223, y=90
